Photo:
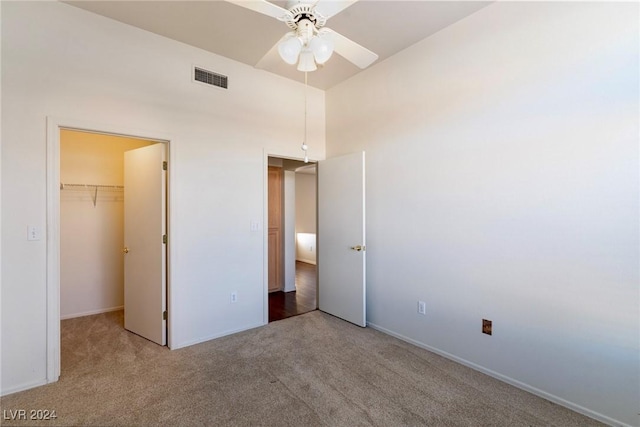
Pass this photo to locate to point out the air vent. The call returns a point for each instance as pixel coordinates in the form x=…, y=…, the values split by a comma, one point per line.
x=210, y=78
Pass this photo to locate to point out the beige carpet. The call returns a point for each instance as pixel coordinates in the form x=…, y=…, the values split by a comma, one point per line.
x=308, y=370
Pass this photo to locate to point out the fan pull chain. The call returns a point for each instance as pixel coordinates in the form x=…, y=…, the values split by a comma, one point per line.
x=304, y=141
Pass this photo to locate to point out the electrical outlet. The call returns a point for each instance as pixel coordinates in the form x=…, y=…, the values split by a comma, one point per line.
x=486, y=326
x=234, y=297
x=422, y=307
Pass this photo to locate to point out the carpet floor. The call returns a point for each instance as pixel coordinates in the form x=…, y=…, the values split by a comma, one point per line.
x=308, y=370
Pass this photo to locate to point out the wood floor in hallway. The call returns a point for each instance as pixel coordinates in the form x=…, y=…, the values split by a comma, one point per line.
x=302, y=300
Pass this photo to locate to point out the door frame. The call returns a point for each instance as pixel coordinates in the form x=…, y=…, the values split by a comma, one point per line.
x=265, y=227
x=54, y=125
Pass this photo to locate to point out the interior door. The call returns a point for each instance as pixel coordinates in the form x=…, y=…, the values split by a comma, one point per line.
x=275, y=179
x=145, y=251
x=341, y=238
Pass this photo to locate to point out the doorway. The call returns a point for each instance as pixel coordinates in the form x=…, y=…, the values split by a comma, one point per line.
x=291, y=237
x=92, y=222
x=85, y=207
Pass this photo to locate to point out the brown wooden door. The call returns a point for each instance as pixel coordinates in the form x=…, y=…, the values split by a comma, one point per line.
x=275, y=179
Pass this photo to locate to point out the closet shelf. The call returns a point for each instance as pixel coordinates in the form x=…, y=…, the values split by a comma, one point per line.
x=93, y=188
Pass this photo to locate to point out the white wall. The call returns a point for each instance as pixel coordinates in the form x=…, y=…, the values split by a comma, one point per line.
x=306, y=248
x=502, y=183
x=92, y=236
x=305, y=203
x=67, y=63
x=306, y=217
x=289, y=235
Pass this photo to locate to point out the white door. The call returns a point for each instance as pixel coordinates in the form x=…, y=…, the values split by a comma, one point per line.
x=341, y=238
x=145, y=252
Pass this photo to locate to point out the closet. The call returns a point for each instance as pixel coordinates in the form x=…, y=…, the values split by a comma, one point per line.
x=92, y=221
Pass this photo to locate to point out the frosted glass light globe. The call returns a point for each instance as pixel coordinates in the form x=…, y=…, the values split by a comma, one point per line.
x=289, y=49
x=322, y=48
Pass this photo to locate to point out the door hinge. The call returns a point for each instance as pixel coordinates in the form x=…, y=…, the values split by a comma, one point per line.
x=164, y=315
x=164, y=166
x=164, y=239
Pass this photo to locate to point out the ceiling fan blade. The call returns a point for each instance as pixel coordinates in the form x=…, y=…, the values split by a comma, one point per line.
x=262, y=6
x=328, y=8
x=350, y=50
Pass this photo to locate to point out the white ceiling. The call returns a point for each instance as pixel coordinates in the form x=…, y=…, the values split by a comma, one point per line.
x=385, y=27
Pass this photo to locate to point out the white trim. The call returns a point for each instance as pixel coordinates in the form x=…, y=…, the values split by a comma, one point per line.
x=92, y=312
x=523, y=386
x=265, y=238
x=306, y=261
x=25, y=386
x=53, y=250
x=54, y=124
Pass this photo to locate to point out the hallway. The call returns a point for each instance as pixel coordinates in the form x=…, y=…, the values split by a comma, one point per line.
x=287, y=304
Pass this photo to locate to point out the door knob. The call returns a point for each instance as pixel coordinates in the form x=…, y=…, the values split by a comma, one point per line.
x=358, y=248
x=125, y=250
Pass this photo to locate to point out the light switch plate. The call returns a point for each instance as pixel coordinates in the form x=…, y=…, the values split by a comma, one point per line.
x=33, y=232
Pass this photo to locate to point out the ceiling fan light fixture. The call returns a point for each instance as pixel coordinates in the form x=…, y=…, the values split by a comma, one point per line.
x=322, y=48
x=307, y=19
x=289, y=49
x=307, y=61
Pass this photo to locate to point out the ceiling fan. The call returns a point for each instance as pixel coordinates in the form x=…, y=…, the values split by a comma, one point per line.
x=310, y=43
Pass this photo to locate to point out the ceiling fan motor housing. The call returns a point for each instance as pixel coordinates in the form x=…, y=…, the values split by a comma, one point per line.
x=302, y=11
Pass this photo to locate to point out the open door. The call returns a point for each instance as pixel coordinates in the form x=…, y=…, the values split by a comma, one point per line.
x=341, y=234
x=145, y=250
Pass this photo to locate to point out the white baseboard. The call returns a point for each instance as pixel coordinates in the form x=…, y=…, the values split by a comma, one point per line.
x=91, y=313
x=526, y=387
x=23, y=387
x=212, y=337
x=307, y=261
